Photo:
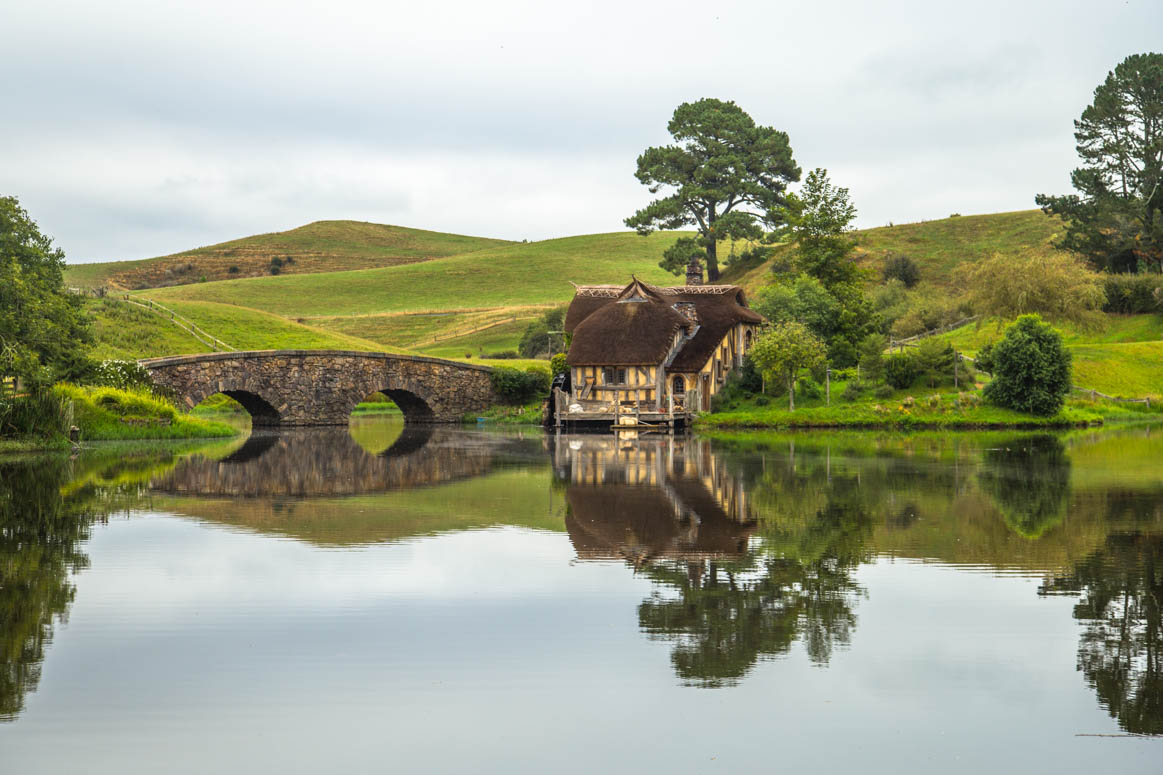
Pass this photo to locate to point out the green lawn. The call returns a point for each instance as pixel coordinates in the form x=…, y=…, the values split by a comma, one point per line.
x=520, y=274
x=418, y=331
x=249, y=329
x=1122, y=356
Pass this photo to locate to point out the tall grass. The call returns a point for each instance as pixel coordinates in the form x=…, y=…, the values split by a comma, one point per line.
x=108, y=413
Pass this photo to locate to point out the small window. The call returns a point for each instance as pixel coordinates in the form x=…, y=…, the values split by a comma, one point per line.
x=678, y=386
x=612, y=376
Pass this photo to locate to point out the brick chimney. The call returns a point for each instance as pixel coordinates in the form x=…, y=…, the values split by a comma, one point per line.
x=694, y=272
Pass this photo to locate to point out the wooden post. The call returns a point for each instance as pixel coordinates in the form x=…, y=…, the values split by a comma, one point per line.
x=828, y=386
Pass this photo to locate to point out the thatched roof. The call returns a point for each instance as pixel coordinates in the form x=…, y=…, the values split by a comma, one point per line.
x=635, y=325
x=626, y=334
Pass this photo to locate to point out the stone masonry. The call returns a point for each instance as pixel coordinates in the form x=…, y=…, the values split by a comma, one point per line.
x=321, y=387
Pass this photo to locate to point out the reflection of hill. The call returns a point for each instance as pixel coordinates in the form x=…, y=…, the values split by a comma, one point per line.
x=505, y=496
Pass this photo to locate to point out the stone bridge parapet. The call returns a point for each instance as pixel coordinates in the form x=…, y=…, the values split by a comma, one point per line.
x=321, y=387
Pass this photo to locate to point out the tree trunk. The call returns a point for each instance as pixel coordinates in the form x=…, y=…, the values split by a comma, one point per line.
x=791, y=392
x=712, y=259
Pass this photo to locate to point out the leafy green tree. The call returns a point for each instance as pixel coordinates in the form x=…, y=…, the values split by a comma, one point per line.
x=900, y=370
x=828, y=297
x=726, y=174
x=536, y=340
x=818, y=219
x=43, y=330
x=804, y=300
x=785, y=350
x=901, y=268
x=934, y=359
x=1116, y=219
x=1031, y=368
x=872, y=357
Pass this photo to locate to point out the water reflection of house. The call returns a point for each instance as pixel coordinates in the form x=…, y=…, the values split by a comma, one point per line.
x=659, y=352
x=651, y=498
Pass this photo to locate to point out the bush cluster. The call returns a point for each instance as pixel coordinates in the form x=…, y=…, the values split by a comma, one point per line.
x=902, y=268
x=123, y=375
x=520, y=387
x=1031, y=368
x=1133, y=294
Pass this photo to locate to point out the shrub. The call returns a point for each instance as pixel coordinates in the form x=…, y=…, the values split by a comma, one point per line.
x=984, y=359
x=902, y=268
x=872, y=357
x=123, y=375
x=1031, y=368
x=807, y=387
x=852, y=391
x=557, y=364
x=934, y=361
x=900, y=370
x=503, y=355
x=882, y=391
x=520, y=387
x=1132, y=294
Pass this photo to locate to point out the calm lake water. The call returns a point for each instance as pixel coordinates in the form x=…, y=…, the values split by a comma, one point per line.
x=450, y=600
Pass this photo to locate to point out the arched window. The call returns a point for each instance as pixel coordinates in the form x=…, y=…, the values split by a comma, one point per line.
x=747, y=339
x=678, y=386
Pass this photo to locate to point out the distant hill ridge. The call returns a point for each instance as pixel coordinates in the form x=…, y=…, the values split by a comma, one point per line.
x=322, y=246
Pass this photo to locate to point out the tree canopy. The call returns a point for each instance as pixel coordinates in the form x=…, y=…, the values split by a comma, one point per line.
x=785, y=350
x=1031, y=368
x=1116, y=219
x=726, y=176
x=825, y=292
x=43, y=329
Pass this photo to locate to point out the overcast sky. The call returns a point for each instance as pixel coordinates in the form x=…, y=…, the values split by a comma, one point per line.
x=134, y=128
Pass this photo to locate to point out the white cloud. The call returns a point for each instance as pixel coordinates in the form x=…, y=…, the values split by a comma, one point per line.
x=146, y=128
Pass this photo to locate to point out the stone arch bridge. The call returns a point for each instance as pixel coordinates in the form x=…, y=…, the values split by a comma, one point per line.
x=321, y=387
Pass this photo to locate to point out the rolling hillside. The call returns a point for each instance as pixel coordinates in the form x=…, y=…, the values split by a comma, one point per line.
x=323, y=246
x=938, y=247
x=478, y=302
x=516, y=274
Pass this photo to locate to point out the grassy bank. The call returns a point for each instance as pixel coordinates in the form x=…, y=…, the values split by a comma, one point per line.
x=109, y=414
x=947, y=411
x=529, y=414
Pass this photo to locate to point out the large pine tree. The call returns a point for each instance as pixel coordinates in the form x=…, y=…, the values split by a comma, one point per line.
x=1116, y=219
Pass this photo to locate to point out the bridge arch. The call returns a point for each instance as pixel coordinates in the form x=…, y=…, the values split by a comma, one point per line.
x=321, y=387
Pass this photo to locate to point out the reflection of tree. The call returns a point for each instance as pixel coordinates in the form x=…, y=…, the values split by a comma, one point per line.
x=1029, y=478
x=730, y=614
x=1121, y=607
x=41, y=530
x=38, y=548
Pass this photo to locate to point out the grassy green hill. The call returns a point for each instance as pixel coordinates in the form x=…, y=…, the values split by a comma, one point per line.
x=126, y=331
x=323, y=246
x=517, y=274
x=476, y=296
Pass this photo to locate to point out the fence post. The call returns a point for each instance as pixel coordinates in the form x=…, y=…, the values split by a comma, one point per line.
x=828, y=386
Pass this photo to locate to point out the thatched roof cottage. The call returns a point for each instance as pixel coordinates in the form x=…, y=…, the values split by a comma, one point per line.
x=650, y=345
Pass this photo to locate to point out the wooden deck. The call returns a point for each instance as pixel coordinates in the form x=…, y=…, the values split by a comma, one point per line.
x=571, y=413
